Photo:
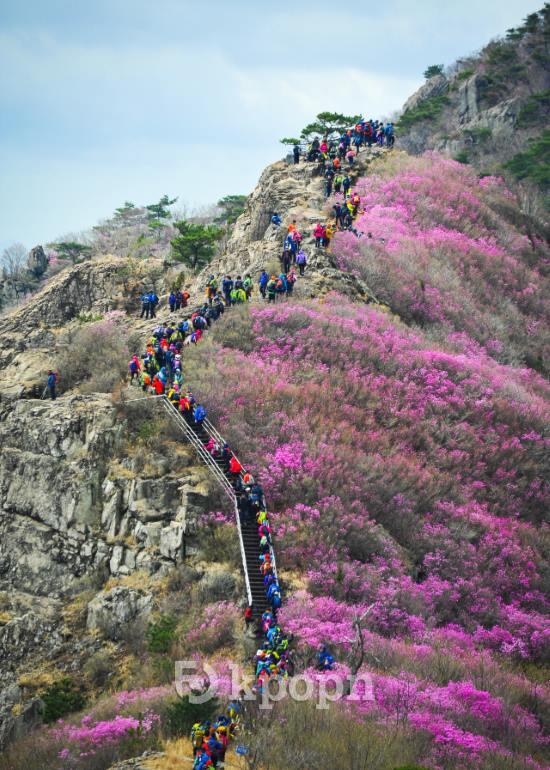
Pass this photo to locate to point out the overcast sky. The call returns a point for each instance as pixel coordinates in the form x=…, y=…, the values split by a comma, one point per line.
x=104, y=101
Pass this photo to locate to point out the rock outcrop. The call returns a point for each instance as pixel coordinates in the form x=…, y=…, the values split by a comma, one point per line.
x=76, y=510
x=489, y=107
x=295, y=192
x=114, y=612
x=31, y=335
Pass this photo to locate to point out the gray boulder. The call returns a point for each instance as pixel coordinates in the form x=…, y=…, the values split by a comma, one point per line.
x=111, y=612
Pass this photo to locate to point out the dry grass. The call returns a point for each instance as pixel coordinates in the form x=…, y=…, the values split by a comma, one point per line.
x=179, y=753
x=38, y=679
x=74, y=614
x=139, y=579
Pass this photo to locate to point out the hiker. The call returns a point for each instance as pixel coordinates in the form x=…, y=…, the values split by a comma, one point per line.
x=290, y=281
x=172, y=301
x=325, y=661
x=227, y=288
x=235, y=469
x=238, y=295
x=329, y=175
x=264, y=278
x=145, y=306
x=271, y=289
x=301, y=261
x=318, y=234
x=153, y=302
x=247, y=286
x=280, y=287
x=248, y=617
x=199, y=413
x=276, y=220
x=390, y=136
x=134, y=367
x=211, y=289
x=197, y=737
x=52, y=382
x=346, y=184
x=296, y=153
x=286, y=260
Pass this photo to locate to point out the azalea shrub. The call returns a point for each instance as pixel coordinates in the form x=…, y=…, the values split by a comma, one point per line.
x=406, y=480
x=445, y=251
x=215, y=628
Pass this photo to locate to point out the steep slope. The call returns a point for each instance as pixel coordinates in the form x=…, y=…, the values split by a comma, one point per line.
x=295, y=192
x=491, y=105
x=405, y=459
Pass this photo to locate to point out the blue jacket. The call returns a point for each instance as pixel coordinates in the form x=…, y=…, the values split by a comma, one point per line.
x=200, y=413
x=51, y=380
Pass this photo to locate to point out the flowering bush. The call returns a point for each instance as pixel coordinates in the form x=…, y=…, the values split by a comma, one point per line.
x=216, y=628
x=444, y=254
x=405, y=477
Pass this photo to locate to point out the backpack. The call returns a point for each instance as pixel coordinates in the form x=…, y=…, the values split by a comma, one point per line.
x=197, y=735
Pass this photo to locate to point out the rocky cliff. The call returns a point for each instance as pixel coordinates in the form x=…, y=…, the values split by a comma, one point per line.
x=81, y=506
x=295, y=192
x=488, y=107
x=82, y=500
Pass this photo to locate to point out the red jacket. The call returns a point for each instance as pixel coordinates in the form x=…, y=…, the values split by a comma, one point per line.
x=234, y=465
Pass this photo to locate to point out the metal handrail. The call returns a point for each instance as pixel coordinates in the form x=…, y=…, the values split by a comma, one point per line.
x=215, y=468
x=216, y=435
x=243, y=554
x=197, y=443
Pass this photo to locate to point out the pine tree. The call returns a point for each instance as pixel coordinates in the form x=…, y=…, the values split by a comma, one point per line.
x=196, y=244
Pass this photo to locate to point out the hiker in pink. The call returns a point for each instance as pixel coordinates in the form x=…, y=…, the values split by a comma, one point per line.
x=318, y=234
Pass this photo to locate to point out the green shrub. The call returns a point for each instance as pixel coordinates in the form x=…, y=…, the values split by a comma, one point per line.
x=478, y=134
x=534, y=162
x=465, y=74
x=62, y=697
x=429, y=109
x=535, y=110
x=161, y=635
x=462, y=157
x=181, y=715
x=433, y=70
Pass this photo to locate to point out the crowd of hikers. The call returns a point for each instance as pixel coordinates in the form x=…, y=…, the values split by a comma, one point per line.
x=346, y=147
x=345, y=212
x=160, y=371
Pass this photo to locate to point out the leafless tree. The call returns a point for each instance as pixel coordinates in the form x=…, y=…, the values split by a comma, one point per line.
x=13, y=261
